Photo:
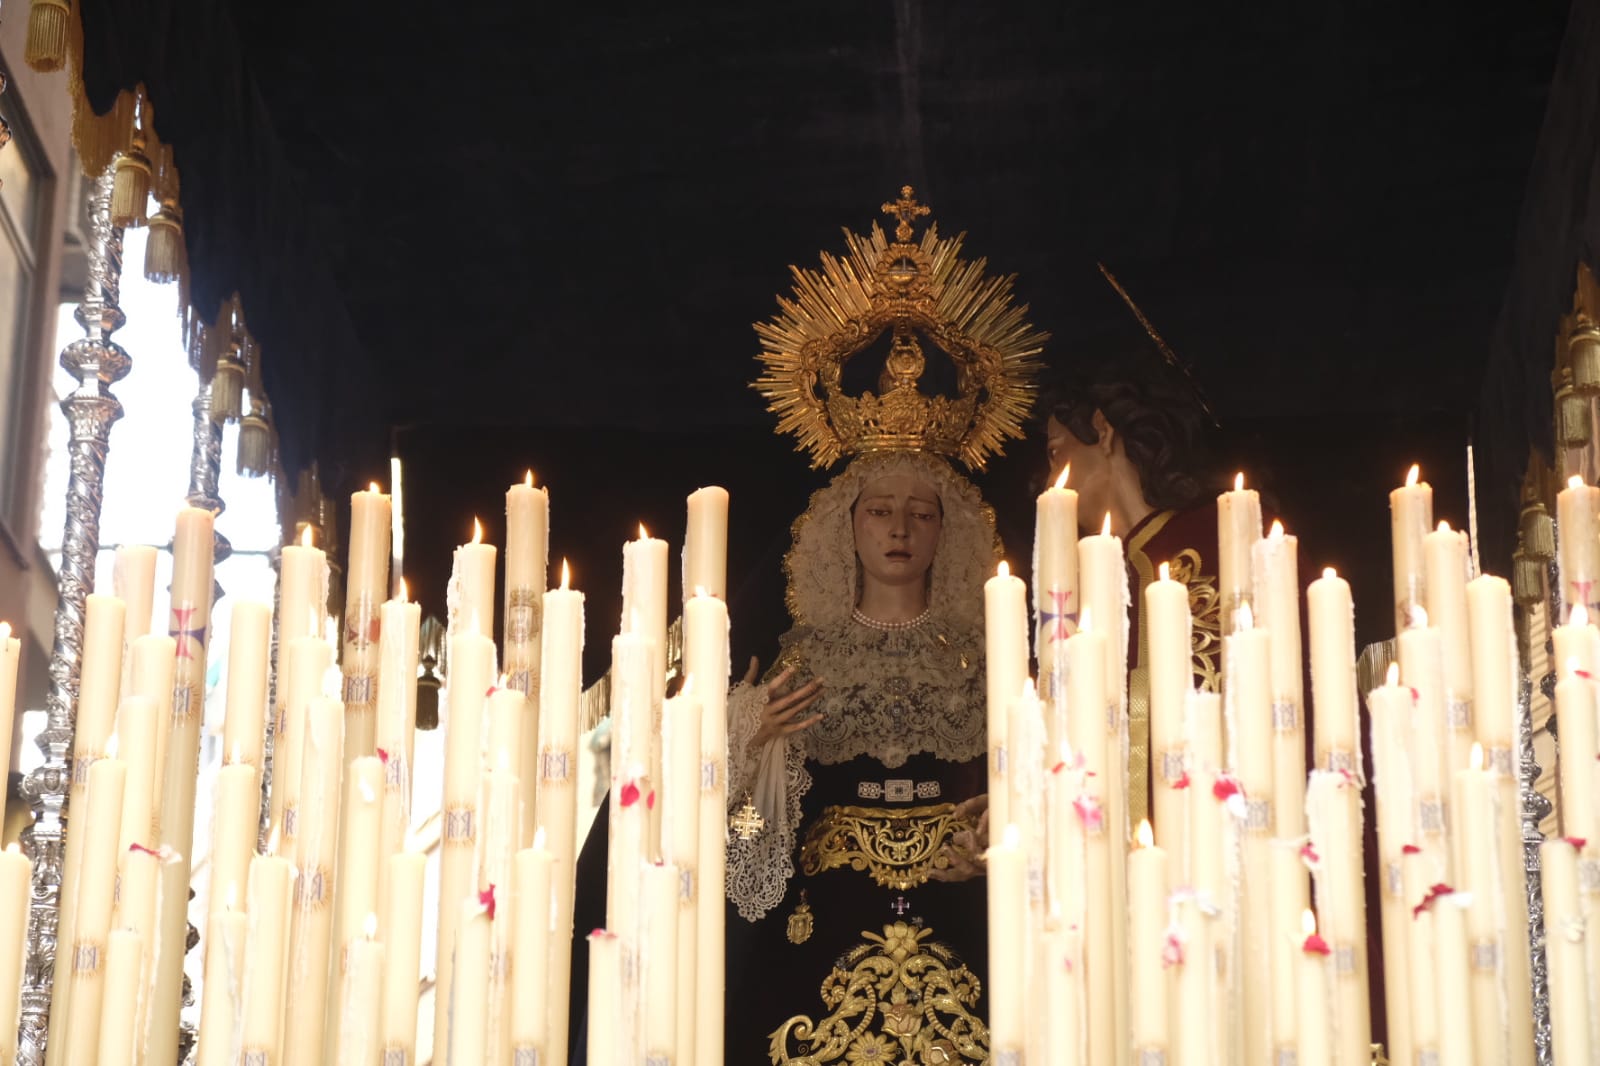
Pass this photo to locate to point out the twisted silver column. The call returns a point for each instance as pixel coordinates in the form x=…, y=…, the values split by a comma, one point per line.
x=1535, y=809
x=97, y=362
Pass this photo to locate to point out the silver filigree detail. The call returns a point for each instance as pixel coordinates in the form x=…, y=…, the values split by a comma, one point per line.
x=97, y=362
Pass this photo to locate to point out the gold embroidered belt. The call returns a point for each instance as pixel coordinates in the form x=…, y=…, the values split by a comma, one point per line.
x=897, y=847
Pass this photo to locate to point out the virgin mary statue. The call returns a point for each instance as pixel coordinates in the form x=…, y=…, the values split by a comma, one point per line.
x=858, y=762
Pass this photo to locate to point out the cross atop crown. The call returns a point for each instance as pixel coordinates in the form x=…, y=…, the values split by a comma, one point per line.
x=905, y=209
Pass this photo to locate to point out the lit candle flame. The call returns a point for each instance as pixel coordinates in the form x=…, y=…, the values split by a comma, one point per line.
x=372, y=487
x=1444, y=527
x=1412, y=475
x=1308, y=922
x=233, y=896
x=644, y=534
x=1418, y=619
x=370, y=926
x=405, y=591
x=1003, y=570
x=527, y=479
x=1061, y=482
x=1145, y=836
x=1085, y=620
x=538, y=839
x=1238, y=482
x=566, y=574
x=1392, y=678
x=1105, y=527
x=5, y=632
x=477, y=531
x=272, y=842
x=1245, y=616
x=700, y=590
x=686, y=691
x=1579, y=615
x=1329, y=572
x=111, y=746
x=1166, y=571
x=1276, y=532
x=13, y=848
x=1475, y=760
x=305, y=535
x=1575, y=481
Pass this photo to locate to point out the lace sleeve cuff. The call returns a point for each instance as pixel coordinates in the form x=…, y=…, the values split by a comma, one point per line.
x=775, y=779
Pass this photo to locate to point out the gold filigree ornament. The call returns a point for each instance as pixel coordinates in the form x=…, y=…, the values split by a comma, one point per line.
x=916, y=291
x=898, y=847
x=898, y=999
x=800, y=922
x=1205, y=607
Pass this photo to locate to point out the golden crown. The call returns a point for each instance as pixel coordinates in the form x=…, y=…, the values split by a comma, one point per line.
x=915, y=291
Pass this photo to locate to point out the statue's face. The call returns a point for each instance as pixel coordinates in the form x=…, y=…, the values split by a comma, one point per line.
x=897, y=520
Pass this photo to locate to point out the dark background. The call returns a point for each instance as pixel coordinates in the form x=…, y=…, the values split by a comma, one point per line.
x=497, y=235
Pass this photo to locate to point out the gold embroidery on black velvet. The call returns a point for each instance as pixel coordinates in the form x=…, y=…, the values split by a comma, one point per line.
x=897, y=847
x=1205, y=607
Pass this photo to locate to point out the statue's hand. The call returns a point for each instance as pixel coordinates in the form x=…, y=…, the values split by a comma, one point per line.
x=785, y=703
x=966, y=847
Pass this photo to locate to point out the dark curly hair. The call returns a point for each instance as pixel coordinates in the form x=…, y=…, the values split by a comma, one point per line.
x=1162, y=420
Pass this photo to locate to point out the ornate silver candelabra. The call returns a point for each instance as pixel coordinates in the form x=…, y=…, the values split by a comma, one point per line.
x=97, y=362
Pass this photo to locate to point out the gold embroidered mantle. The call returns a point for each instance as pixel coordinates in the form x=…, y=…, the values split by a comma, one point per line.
x=899, y=848
x=899, y=998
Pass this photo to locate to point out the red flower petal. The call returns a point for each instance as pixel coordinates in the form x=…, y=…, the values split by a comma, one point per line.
x=1411, y=849
x=486, y=898
x=630, y=793
x=1172, y=952
x=1315, y=945
x=147, y=851
x=1434, y=893
x=383, y=756
x=1576, y=842
x=1089, y=812
x=650, y=800
x=1225, y=787
x=1586, y=675
x=1182, y=781
x=1309, y=854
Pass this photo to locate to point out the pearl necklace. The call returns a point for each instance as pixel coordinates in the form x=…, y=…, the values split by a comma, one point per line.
x=889, y=627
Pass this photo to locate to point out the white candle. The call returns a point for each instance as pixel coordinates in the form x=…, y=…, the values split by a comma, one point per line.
x=630, y=782
x=1238, y=529
x=1446, y=557
x=1410, y=518
x=1478, y=837
x=1148, y=887
x=1578, y=518
x=1389, y=706
x=1005, y=613
x=1422, y=957
x=1335, y=718
x=1575, y=718
x=469, y=1005
x=527, y=558
x=1494, y=659
x=1564, y=952
x=266, y=955
x=1452, y=995
x=531, y=882
x=658, y=949
x=359, y=1020
x=1333, y=802
x=1008, y=943
x=396, y=727
x=137, y=729
x=471, y=607
x=307, y=661
x=1421, y=668
x=1171, y=667
x=680, y=817
x=366, y=588
x=119, y=1024
x=16, y=879
x=560, y=695
x=402, y=947
x=471, y=674
x=234, y=828
x=706, y=657
x=605, y=999
x=359, y=857
x=644, y=599
x=244, y=727
x=705, y=543
x=1090, y=734
x=10, y=657
x=302, y=590
x=102, y=812
x=1055, y=585
x=133, y=581
x=1313, y=1047
x=222, y=1003
x=1277, y=603
x=311, y=930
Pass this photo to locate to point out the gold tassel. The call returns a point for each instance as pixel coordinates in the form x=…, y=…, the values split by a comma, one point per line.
x=1538, y=532
x=227, y=390
x=1584, y=349
x=49, y=25
x=255, y=446
x=1573, y=424
x=130, y=189
x=1527, y=579
x=164, y=252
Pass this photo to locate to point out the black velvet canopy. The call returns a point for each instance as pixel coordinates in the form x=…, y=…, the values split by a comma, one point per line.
x=508, y=234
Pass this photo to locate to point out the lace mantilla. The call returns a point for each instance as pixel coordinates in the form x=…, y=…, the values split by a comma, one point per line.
x=892, y=694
